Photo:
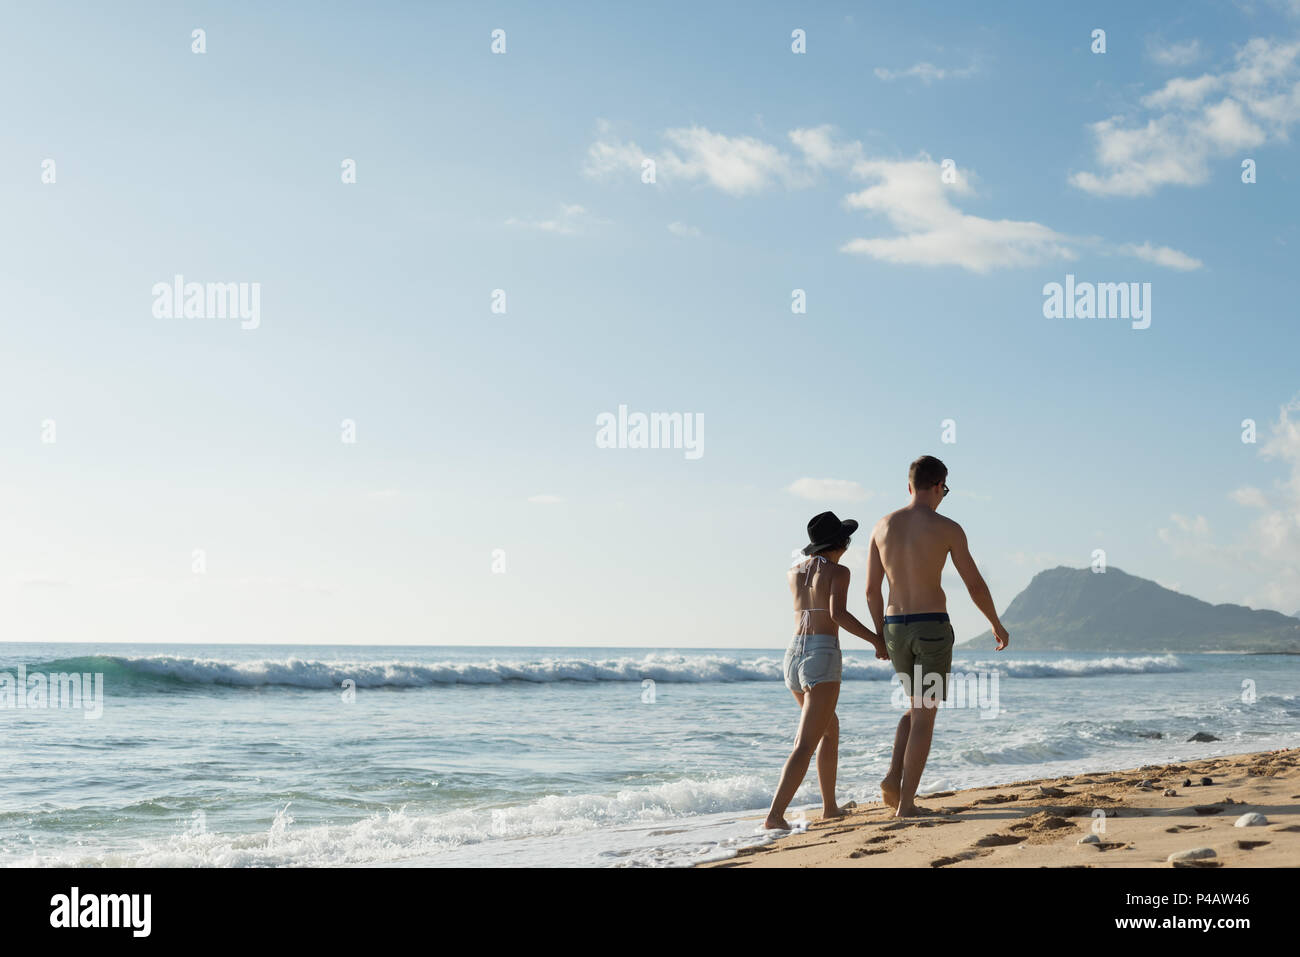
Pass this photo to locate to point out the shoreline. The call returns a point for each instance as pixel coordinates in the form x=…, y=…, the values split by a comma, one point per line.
x=1126, y=818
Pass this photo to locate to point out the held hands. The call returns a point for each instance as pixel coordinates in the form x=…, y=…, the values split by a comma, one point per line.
x=1002, y=635
x=881, y=653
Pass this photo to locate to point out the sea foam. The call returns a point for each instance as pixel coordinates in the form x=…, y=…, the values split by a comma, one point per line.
x=296, y=672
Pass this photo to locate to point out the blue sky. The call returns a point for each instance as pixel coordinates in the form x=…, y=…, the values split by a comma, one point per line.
x=522, y=171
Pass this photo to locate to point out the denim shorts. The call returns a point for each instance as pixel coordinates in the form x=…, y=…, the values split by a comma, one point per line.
x=812, y=659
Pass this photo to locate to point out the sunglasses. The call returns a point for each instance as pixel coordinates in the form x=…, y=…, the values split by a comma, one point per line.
x=945, y=489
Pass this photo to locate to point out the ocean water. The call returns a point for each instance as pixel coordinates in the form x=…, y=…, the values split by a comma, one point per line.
x=438, y=756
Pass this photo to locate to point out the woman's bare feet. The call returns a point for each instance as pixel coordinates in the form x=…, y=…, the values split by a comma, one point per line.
x=829, y=813
x=912, y=810
x=777, y=825
x=889, y=792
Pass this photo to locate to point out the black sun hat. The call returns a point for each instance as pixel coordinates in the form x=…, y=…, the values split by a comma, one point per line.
x=827, y=531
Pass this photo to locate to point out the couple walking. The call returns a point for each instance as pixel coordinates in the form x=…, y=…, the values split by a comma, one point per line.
x=909, y=547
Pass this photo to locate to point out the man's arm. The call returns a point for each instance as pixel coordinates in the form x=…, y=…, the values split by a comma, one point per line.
x=840, y=611
x=875, y=581
x=975, y=585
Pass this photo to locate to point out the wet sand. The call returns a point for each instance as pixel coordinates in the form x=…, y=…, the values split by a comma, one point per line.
x=1126, y=816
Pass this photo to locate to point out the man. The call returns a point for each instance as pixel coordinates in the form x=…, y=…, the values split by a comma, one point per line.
x=910, y=547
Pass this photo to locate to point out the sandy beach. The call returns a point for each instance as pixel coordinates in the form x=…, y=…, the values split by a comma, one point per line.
x=1150, y=813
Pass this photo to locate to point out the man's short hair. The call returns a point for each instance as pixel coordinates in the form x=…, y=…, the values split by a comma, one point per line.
x=927, y=472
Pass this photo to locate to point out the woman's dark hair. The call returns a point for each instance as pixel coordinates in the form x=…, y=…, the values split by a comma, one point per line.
x=833, y=548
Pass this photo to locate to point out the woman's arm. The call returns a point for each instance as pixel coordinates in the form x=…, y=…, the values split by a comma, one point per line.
x=840, y=612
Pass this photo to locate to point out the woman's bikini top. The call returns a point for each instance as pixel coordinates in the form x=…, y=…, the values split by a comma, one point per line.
x=805, y=618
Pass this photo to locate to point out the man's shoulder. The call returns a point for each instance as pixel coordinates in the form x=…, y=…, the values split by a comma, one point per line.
x=889, y=517
x=950, y=528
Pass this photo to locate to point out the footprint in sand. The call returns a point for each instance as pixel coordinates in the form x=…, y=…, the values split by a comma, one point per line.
x=998, y=840
x=997, y=799
x=1177, y=828
x=917, y=822
x=1251, y=845
x=957, y=858
x=840, y=830
x=865, y=851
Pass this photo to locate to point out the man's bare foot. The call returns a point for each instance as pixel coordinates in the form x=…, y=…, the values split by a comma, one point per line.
x=889, y=792
x=913, y=810
x=777, y=825
x=828, y=813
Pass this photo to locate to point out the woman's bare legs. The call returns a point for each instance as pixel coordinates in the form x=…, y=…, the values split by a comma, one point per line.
x=828, y=760
x=817, y=711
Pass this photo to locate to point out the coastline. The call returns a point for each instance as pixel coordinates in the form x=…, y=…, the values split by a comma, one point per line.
x=1039, y=822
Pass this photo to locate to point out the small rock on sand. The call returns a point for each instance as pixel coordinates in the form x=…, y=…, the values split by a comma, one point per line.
x=1192, y=854
x=1206, y=782
x=1202, y=736
x=1089, y=839
x=1170, y=793
x=1250, y=820
x=1050, y=792
x=1187, y=782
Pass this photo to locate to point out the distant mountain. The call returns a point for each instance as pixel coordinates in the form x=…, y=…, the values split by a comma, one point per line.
x=1077, y=609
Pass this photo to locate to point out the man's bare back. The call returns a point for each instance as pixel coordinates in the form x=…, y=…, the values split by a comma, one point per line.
x=909, y=547
x=913, y=545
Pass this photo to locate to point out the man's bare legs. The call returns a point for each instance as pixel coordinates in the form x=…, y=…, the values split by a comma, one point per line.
x=817, y=706
x=920, y=730
x=889, y=787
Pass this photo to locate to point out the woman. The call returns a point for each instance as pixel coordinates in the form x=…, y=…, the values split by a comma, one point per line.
x=820, y=586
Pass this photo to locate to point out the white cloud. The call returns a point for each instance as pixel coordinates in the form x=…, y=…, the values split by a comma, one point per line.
x=1174, y=54
x=926, y=72
x=1182, y=92
x=734, y=164
x=821, y=151
x=1249, y=496
x=545, y=499
x=1191, y=121
x=1274, y=536
x=1193, y=526
x=909, y=195
x=684, y=230
x=1268, y=551
x=1162, y=256
x=827, y=490
x=572, y=220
